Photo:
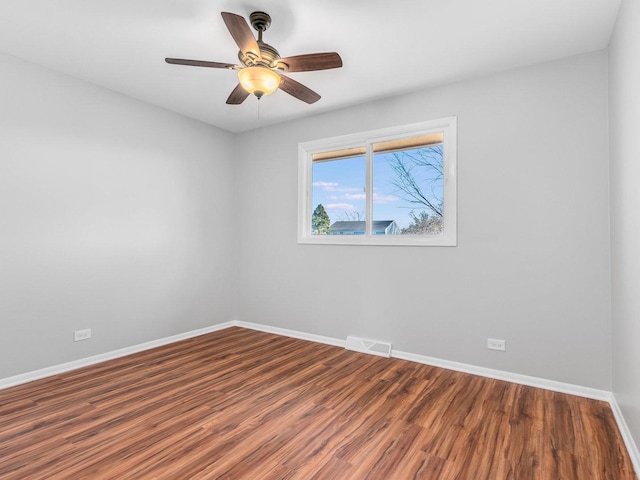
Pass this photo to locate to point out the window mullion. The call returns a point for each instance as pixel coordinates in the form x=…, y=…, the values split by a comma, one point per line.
x=369, y=190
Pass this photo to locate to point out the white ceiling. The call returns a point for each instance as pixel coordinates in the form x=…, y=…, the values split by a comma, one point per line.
x=388, y=47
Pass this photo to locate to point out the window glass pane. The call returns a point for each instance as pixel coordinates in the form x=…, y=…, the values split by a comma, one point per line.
x=338, y=196
x=408, y=187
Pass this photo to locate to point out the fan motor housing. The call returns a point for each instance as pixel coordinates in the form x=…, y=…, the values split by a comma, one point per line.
x=269, y=56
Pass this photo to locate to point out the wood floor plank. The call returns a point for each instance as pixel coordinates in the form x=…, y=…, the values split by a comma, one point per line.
x=240, y=404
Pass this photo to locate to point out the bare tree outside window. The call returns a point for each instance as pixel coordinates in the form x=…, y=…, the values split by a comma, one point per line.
x=355, y=216
x=419, y=182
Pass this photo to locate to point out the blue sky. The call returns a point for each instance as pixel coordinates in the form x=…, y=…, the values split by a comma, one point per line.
x=339, y=186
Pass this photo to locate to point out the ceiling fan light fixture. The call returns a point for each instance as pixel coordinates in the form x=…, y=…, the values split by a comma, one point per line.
x=259, y=80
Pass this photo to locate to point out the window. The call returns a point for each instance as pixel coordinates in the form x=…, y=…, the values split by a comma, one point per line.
x=395, y=186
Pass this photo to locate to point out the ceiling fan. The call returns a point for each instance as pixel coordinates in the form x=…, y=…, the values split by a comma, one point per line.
x=261, y=69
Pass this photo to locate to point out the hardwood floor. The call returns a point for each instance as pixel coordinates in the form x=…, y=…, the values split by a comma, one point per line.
x=241, y=404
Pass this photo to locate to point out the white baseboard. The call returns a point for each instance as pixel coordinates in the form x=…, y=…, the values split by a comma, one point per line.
x=292, y=333
x=83, y=362
x=459, y=367
x=436, y=362
x=632, y=447
x=537, y=382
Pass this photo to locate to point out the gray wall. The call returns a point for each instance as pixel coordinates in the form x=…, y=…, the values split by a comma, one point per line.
x=532, y=261
x=113, y=216
x=116, y=216
x=624, y=81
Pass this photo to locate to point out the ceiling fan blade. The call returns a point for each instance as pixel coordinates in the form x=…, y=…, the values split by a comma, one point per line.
x=200, y=63
x=238, y=96
x=298, y=90
x=241, y=33
x=311, y=62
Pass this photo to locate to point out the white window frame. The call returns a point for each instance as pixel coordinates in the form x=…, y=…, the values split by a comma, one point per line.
x=447, y=126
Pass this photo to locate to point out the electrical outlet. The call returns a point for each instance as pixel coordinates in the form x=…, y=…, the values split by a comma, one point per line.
x=82, y=335
x=495, y=344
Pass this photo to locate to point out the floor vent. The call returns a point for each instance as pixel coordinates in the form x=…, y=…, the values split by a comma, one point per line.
x=374, y=347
